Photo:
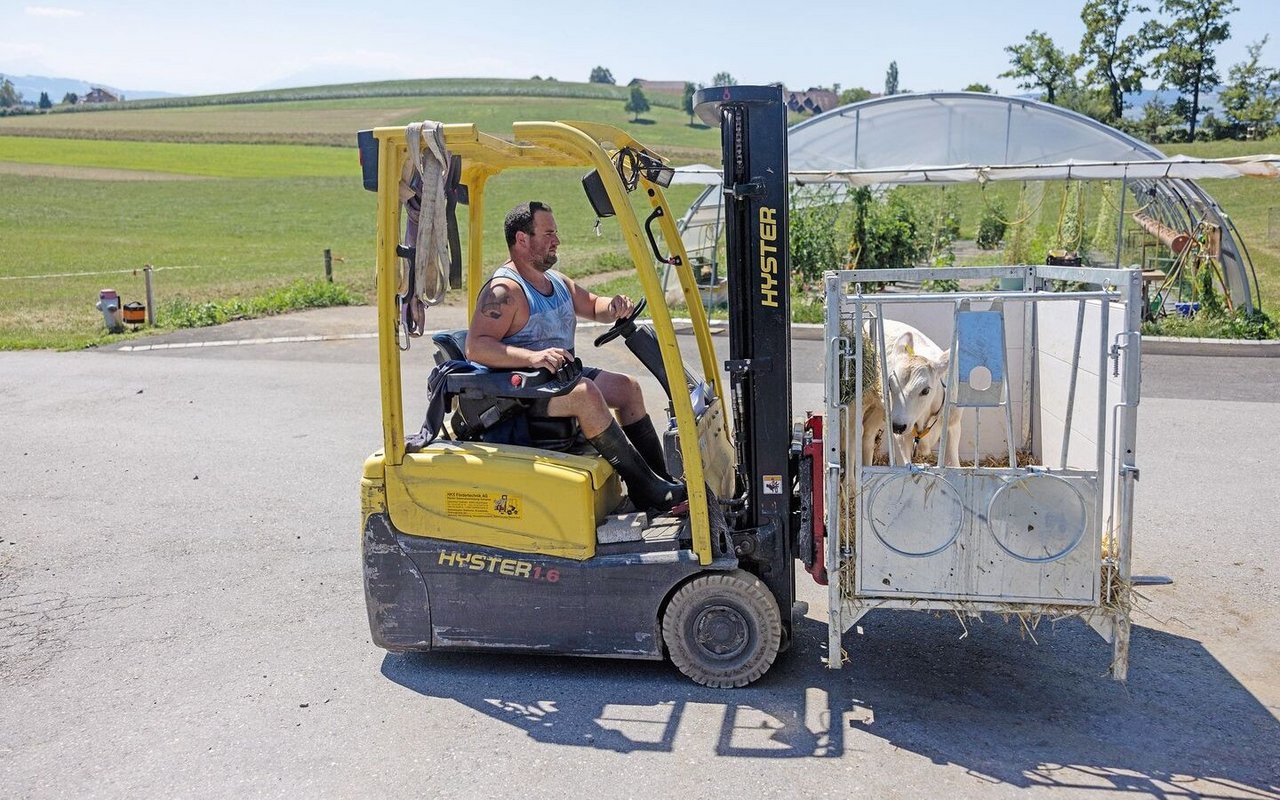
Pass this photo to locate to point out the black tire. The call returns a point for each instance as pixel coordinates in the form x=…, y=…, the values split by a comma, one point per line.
x=723, y=629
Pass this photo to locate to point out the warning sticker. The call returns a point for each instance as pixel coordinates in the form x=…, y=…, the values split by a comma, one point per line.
x=773, y=484
x=483, y=504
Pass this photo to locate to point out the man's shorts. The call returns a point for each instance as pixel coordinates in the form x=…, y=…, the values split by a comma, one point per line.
x=539, y=407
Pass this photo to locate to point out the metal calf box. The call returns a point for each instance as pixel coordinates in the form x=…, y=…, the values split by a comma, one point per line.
x=1035, y=519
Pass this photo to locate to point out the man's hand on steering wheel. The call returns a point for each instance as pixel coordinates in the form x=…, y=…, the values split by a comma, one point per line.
x=619, y=307
x=624, y=326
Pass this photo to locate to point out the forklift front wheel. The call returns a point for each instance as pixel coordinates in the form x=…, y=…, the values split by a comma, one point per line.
x=723, y=629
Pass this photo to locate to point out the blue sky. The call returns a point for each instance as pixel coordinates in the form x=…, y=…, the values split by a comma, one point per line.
x=235, y=45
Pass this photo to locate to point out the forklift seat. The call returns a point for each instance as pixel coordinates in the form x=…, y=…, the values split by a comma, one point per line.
x=450, y=346
x=501, y=405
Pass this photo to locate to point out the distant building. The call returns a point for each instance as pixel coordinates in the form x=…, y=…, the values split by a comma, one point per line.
x=812, y=101
x=99, y=95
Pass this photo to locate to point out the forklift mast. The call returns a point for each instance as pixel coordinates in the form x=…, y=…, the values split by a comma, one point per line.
x=753, y=125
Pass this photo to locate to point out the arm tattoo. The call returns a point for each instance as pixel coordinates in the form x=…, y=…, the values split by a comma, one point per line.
x=492, y=300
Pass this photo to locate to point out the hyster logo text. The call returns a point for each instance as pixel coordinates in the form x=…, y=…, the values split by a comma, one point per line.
x=482, y=563
x=768, y=257
x=497, y=565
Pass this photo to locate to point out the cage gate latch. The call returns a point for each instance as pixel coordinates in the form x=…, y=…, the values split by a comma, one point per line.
x=1115, y=357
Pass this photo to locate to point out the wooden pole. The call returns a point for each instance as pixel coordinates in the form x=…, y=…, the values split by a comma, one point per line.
x=151, y=303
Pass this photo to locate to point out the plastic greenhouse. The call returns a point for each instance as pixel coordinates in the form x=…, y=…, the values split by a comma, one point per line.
x=950, y=137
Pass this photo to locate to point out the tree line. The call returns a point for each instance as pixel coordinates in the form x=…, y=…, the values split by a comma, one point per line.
x=1125, y=46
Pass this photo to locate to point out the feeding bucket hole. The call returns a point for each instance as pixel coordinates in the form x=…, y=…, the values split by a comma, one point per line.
x=979, y=378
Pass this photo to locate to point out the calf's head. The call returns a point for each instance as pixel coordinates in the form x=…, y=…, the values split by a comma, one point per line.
x=915, y=384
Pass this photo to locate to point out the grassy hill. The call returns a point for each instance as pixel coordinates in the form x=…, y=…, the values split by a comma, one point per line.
x=432, y=87
x=235, y=200
x=332, y=121
x=233, y=196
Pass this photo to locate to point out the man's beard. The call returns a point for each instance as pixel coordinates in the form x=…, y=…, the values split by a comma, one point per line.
x=546, y=262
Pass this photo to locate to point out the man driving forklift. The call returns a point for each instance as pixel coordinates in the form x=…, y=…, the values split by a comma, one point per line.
x=526, y=316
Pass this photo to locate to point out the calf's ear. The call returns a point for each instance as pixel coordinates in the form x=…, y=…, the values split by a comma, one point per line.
x=906, y=343
x=943, y=364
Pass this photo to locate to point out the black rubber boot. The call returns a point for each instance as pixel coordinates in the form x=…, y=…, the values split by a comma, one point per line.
x=648, y=492
x=645, y=439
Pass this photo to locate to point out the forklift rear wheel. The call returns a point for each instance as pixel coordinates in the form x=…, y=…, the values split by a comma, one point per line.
x=723, y=629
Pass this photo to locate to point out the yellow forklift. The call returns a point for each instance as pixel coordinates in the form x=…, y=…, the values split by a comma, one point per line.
x=475, y=545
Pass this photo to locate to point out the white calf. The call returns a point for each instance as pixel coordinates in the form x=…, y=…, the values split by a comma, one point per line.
x=917, y=394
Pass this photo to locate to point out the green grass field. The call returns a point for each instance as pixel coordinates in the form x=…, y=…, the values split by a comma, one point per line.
x=429, y=87
x=221, y=238
x=265, y=161
x=334, y=122
x=233, y=201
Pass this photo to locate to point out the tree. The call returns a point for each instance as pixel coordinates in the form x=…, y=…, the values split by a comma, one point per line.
x=9, y=94
x=1092, y=101
x=1251, y=98
x=1114, y=62
x=601, y=75
x=45, y=103
x=1156, y=115
x=1039, y=64
x=891, y=79
x=1186, y=60
x=638, y=103
x=723, y=79
x=687, y=102
x=71, y=98
x=978, y=87
x=854, y=94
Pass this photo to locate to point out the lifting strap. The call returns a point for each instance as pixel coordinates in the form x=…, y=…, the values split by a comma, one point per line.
x=425, y=278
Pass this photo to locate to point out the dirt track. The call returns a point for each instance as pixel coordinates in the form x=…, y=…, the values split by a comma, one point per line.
x=90, y=173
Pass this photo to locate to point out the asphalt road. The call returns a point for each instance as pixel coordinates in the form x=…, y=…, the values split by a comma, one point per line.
x=181, y=615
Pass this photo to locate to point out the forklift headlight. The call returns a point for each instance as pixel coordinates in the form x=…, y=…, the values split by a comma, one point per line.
x=654, y=170
x=661, y=175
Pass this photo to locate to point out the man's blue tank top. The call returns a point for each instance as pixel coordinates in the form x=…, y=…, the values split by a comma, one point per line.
x=552, y=322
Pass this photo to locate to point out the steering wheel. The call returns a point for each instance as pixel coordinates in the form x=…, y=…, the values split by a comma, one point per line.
x=622, y=327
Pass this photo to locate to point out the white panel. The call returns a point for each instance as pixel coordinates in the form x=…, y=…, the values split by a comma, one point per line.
x=927, y=535
x=990, y=430
x=1057, y=331
x=1056, y=339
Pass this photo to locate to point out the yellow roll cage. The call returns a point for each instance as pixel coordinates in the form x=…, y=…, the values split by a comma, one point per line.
x=542, y=145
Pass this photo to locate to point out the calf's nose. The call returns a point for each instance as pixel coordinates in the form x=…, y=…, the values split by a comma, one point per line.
x=899, y=428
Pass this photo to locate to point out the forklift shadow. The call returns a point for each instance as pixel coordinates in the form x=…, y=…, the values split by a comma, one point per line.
x=629, y=706
x=1003, y=707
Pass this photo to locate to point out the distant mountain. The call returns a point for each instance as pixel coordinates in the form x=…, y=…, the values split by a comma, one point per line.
x=30, y=86
x=1136, y=100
